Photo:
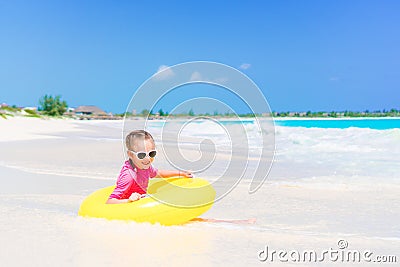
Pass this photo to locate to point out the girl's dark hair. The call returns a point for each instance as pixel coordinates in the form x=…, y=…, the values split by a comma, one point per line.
x=137, y=135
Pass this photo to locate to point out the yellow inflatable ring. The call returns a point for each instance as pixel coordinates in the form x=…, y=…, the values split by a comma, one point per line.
x=172, y=201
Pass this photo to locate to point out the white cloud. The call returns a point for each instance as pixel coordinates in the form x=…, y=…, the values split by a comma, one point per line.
x=164, y=72
x=334, y=79
x=245, y=66
x=196, y=77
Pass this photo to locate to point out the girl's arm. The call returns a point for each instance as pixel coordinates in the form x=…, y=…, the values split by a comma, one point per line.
x=117, y=201
x=135, y=196
x=173, y=173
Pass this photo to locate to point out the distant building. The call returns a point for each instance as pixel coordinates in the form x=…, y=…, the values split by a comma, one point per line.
x=90, y=110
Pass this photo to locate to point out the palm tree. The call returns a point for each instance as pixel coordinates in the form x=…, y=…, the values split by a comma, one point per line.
x=52, y=106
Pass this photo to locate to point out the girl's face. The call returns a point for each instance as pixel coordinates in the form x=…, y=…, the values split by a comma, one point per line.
x=142, y=146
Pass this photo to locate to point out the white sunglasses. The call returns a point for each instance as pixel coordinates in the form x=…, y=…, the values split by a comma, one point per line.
x=143, y=154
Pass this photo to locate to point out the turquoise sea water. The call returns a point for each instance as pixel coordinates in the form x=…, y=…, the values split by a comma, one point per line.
x=377, y=124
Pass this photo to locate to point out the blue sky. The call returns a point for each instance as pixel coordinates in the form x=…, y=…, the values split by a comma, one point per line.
x=304, y=55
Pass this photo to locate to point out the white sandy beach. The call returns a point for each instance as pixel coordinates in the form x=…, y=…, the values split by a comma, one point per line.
x=325, y=185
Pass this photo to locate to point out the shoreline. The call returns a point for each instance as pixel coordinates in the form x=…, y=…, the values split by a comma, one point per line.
x=138, y=118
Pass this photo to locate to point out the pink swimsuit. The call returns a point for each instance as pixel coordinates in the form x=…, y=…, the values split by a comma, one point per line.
x=132, y=180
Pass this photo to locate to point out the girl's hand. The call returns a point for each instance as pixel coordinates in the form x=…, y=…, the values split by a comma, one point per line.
x=187, y=174
x=135, y=196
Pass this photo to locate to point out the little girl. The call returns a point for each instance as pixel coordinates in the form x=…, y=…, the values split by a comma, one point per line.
x=134, y=177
